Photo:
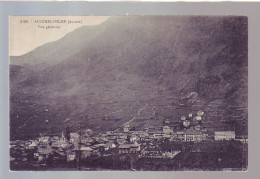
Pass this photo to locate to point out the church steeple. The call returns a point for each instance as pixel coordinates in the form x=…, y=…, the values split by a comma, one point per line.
x=62, y=134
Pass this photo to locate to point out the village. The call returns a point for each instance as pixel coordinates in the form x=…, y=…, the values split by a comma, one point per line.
x=162, y=142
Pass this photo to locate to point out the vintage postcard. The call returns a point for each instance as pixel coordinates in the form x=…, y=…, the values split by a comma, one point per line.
x=131, y=93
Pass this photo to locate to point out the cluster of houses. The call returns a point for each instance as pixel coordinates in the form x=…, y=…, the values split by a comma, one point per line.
x=144, y=143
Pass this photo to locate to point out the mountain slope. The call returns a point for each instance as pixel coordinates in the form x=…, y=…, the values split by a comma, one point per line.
x=130, y=67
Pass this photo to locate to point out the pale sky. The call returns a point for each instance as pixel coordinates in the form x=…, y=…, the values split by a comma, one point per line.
x=26, y=33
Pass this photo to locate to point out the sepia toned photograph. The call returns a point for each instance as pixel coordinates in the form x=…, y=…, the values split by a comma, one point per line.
x=128, y=93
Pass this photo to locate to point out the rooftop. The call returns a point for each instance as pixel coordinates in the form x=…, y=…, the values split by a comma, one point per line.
x=224, y=132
